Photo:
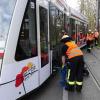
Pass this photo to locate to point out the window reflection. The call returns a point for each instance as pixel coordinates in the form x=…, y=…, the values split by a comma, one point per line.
x=56, y=25
x=27, y=43
x=44, y=35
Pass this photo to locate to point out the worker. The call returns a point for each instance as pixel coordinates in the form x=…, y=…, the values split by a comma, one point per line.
x=63, y=69
x=96, y=35
x=89, y=41
x=75, y=58
x=92, y=39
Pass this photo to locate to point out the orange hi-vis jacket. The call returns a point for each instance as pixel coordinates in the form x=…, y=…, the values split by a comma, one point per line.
x=73, y=50
x=89, y=37
x=96, y=34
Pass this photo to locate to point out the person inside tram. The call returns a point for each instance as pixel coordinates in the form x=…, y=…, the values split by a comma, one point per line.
x=73, y=56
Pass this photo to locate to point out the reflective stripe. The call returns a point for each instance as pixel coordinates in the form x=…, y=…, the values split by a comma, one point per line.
x=71, y=83
x=68, y=74
x=89, y=48
x=79, y=83
x=62, y=66
x=74, y=52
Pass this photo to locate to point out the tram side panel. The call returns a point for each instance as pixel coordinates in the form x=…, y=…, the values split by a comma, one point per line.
x=29, y=46
x=9, y=69
x=20, y=71
x=43, y=36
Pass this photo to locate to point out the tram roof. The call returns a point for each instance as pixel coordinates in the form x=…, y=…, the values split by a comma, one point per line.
x=68, y=10
x=78, y=15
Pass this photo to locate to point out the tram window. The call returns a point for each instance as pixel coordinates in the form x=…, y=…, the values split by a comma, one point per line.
x=44, y=35
x=66, y=24
x=56, y=25
x=59, y=24
x=72, y=28
x=52, y=26
x=27, y=42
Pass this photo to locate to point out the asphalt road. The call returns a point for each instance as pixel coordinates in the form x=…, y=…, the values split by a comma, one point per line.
x=51, y=89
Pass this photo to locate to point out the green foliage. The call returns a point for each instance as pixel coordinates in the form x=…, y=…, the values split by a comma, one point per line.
x=88, y=8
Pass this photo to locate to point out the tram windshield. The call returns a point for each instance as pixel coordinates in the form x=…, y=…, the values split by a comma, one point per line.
x=6, y=12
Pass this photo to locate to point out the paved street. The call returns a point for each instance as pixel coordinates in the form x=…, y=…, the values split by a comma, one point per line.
x=51, y=89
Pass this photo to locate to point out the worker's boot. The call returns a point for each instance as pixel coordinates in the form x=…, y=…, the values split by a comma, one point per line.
x=85, y=72
x=78, y=88
x=89, y=50
x=69, y=88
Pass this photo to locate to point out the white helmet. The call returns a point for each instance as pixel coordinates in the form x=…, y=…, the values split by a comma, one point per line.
x=64, y=36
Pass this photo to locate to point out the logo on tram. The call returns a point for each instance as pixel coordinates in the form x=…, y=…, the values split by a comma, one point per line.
x=25, y=73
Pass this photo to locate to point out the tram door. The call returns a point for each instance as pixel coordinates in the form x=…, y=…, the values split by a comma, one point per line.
x=44, y=40
x=27, y=50
x=76, y=32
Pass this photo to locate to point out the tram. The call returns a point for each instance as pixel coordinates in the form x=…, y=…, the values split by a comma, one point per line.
x=29, y=35
x=78, y=27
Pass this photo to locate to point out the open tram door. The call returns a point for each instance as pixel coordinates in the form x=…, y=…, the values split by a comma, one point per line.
x=43, y=39
x=76, y=32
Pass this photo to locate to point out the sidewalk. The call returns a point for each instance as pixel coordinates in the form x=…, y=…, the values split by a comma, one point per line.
x=91, y=89
x=93, y=60
x=52, y=90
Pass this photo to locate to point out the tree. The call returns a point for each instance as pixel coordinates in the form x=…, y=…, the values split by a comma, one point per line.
x=88, y=8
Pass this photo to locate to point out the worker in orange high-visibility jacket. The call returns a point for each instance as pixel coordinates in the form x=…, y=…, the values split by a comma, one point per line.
x=75, y=58
x=96, y=35
x=89, y=39
x=93, y=38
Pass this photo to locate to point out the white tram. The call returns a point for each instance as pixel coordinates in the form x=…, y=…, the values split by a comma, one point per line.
x=29, y=33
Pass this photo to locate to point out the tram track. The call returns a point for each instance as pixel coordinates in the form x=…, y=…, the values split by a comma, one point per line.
x=91, y=84
x=92, y=72
x=95, y=56
x=96, y=81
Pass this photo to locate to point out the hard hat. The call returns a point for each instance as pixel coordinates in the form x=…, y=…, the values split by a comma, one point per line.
x=95, y=30
x=89, y=30
x=64, y=36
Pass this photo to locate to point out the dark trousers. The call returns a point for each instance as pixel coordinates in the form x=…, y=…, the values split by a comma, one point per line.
x=76, y=72
x=96, y=41
x=89, y=42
